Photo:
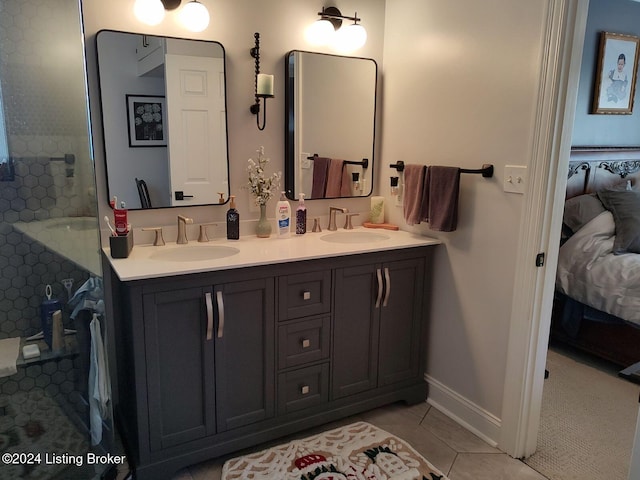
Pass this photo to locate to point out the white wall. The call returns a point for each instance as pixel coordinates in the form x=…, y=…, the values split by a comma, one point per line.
x=281, y=25
x=460, y=89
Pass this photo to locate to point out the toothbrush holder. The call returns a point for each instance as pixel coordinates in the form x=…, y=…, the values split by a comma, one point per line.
x=121, y=245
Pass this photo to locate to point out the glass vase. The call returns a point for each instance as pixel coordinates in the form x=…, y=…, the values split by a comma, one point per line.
x=263, y=228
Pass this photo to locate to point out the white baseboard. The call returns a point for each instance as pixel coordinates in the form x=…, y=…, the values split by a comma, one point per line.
x=475, y=419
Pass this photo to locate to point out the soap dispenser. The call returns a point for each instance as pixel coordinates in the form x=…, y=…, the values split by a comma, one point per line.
x=301, y=216
x=283, y=216
x=233, y=220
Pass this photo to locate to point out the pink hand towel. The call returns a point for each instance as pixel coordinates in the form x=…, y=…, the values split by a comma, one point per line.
x=440, y=200
x=413, y=192
x=335, y=178
x=320, y=169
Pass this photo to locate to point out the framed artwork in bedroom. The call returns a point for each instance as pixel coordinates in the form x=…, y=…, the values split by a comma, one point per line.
x=616, y=74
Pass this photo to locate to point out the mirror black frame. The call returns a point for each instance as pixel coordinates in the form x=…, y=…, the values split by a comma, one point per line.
x=100, y=100
x=289, y=130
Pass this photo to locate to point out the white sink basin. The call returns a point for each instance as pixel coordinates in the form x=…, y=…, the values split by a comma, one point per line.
x=354, y=237
x=193, y=253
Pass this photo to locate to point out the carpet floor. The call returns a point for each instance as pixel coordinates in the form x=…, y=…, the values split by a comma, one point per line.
x=587, y=424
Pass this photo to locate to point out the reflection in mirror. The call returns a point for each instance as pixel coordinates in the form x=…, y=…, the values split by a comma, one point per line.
x=330, y=125
x=164, y=119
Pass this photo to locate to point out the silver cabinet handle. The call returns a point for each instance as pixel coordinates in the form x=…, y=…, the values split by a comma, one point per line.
x=387, y=293
x=220, y=313
x=379, y=275
x=306, y=295
x=306, y=343
x=305, y=390
x=207, y=297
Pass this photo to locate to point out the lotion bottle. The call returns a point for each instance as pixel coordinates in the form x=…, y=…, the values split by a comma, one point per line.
x=233, y=220
x=301, y=216
x=283, y=216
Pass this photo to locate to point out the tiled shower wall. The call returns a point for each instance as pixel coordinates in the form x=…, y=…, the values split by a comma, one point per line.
x=44, y=104
x=42, y=79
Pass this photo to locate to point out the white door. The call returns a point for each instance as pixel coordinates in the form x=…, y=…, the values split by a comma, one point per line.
x=634, y=469
x=197, y=130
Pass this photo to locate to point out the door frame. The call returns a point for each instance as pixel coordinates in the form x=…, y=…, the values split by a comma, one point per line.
x=540, y=225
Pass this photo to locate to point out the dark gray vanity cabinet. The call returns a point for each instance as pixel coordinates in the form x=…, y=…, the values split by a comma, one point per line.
x=377, y=318
x=210, y=359
x=178, y=361
x=210, y=363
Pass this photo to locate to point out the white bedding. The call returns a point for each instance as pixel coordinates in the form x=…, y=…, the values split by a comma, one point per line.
x=590, y=273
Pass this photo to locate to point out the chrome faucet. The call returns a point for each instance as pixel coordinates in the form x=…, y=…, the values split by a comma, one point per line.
x=182, y=229
x=332, y=217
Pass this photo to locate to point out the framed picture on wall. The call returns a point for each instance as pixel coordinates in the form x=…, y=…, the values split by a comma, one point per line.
x=146, y=121
x=616, y=74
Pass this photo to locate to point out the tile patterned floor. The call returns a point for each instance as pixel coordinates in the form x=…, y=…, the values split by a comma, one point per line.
x=449, y=447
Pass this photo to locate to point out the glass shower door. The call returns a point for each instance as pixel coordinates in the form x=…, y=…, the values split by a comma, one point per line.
x=55, y=408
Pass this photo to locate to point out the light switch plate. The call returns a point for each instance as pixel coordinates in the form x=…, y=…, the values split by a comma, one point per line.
x=515, y=178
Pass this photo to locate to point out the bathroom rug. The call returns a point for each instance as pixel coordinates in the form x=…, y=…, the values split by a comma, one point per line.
x=359, y=451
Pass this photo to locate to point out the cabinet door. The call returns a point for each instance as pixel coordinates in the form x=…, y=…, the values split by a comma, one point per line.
x=400, y=320
x=244, y=351
x=355, y=334
x=180, y=379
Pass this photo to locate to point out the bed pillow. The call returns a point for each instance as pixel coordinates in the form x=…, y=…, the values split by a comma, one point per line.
x=580, y=210
x=625, y=208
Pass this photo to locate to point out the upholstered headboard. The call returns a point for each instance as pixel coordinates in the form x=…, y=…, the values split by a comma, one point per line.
x=595, y=168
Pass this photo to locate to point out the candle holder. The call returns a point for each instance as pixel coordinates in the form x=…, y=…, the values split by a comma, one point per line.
x=263, y=86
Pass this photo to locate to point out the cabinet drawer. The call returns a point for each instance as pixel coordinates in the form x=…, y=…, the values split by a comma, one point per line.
x=303, y=342
x=303, y=388
x=305, y=294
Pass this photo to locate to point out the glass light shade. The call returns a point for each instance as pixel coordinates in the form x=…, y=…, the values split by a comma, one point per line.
x=194, y=16
x=350, y=38
x=320, y=33
x=150, y=12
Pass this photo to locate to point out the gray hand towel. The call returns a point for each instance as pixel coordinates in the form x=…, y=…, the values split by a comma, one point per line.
x=440, y=198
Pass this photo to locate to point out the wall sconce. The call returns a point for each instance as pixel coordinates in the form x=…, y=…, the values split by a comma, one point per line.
x=329, y=30
x=193, y=15
x=263, y=86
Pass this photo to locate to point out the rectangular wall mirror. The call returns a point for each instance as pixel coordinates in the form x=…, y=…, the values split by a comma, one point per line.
x=164, y=119
x=330, y=125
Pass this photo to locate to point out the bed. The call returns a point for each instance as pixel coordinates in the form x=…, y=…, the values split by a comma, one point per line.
x=597, y=301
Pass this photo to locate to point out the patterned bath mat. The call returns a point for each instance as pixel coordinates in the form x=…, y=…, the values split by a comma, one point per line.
x=358, y=451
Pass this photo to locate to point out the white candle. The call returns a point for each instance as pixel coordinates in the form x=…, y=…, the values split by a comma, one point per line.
x=377, y=210
x=265, y=84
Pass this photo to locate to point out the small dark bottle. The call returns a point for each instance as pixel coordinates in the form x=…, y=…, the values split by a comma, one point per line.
x=233, y=221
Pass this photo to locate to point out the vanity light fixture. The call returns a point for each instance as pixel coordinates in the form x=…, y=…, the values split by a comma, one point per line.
x=193, y=15
x=330, y=31
x=263, y=86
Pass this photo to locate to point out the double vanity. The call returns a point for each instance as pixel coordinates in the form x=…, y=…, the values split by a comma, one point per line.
x=227, y=344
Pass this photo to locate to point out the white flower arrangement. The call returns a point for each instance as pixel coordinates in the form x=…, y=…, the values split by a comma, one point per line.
x=261, y=187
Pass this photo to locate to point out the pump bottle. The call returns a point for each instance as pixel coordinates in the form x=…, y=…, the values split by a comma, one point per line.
x=301, y=216
x=283, y=216
x=233, y=220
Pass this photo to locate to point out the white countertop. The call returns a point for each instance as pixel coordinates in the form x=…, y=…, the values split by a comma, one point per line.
x=253, y=251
